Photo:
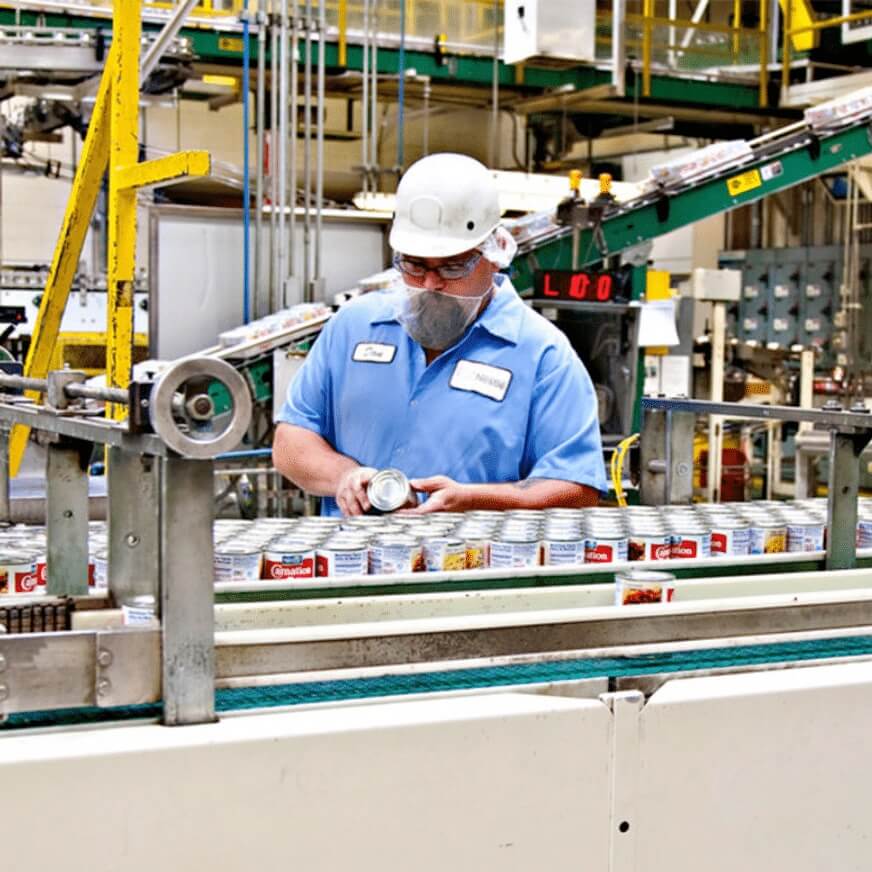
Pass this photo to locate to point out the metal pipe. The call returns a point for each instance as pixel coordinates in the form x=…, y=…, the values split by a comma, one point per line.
x=319, y=154
x=364, y=104
x=426, y=131
x=307, y=152
x=246, y=171
x=283, y=153
x=292, y=144
x=401, y=92
x=167, y=34
x=495, y=91
x=274, y=277
x=258, y=202
x=373, y=124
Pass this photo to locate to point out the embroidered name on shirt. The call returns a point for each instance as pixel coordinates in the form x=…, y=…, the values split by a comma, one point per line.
x=374, y=352
x=480, y=378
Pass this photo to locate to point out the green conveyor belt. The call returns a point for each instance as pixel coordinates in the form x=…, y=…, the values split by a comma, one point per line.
x=238, y=699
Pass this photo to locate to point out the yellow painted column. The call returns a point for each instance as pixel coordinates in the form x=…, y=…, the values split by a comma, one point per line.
x=123, y=153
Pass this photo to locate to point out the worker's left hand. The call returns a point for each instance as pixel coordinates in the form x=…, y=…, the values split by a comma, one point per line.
x=446, y=495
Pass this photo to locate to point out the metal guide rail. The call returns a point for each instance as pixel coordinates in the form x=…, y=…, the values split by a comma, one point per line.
x=774, y=162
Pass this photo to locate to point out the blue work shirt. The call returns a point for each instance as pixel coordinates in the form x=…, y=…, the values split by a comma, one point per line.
x=510, y=401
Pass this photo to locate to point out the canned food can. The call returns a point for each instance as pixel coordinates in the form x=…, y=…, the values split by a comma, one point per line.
x=510, y=553
x=649, y=546
x=101, y=570
x=289, y=558
x=477, y=552
x=691, y=544
x=139, y=611
x=389, y=490
x=864, y=533
x=237, y=563
x=606, y=548
x=767, y=537
x=392, y=555
x=730, y=538
x=336, y=558
x=805, y=535
x=444, y=554
x=17, y=573
x=638, y=587
x=563, y=552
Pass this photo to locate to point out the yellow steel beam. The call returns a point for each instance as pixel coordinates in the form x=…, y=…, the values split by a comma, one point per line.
x=68, y=248
x=164, y=170
x=123, y=153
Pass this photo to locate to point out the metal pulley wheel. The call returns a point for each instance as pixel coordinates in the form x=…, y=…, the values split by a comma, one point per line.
x=183, y=413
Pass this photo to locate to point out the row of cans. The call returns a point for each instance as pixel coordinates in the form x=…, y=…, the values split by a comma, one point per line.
x=306, y=548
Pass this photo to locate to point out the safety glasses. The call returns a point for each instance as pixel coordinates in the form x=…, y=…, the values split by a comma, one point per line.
x=457, y=269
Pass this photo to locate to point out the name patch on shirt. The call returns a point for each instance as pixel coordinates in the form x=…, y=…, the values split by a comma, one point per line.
x=374, y=352
x=481, y=378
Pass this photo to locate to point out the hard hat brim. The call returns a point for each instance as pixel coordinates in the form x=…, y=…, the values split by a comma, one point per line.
x=419, y=244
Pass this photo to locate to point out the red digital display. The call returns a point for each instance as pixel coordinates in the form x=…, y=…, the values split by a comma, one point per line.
x=580, y=286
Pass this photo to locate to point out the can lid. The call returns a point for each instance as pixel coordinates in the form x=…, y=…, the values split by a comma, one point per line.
x=388, y=490
x=140, y=601
x=644, y=576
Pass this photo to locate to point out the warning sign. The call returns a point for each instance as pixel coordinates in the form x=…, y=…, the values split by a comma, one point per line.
x=744, y=182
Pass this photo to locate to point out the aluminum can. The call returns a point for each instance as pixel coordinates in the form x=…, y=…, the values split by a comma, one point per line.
x=237, y=563
x=805, y=534
x=289, y=558
x=139, y=611
x=563, y=551
x=514, y=551
x=767, y=536
x=444, y=554
x=388, y=490
x=606, y=546
x=392, y=555
x=638, y=587
x=649, y=544
x=731, y=537
x=691, y=541
x=337, y=557
x=864, y=532
x=101, y=570
x=18, y=572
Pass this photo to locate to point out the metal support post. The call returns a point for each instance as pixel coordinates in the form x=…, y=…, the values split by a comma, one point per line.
x=5, y=507
x=845, y=450
x=187, y=590
x=619, y=47
x=66, y=494
x=716, y=395
x=134, y=552
x=666, y=456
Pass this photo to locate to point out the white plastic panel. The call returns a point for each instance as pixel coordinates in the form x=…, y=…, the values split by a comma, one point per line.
x=501, y=782
x=765, y=771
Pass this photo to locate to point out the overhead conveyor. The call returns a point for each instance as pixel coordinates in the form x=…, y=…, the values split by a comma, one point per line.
x=831, y=135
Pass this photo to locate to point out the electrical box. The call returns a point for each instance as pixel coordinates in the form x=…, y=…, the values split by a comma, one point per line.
x=561, y=32
x=716, y=285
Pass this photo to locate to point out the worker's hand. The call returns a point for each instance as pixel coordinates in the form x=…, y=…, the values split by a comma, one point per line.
x=351, y=492
x=446, y=495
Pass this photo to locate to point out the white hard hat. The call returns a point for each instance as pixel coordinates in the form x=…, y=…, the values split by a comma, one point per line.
x=446, y=204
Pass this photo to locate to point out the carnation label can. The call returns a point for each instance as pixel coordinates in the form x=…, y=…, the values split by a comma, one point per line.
x=730, y=538
x=139, y=611
x=563, y=552
x=289, y=558
x=237, y=563
x=638, y=587
x=444, y=554
x=805, y=536
x=18, y=572
x=767, y=537
x=649, y=546
x=602, y=548
x=691, y=545
x=341, y=558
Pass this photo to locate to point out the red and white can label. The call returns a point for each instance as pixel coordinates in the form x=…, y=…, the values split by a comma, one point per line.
x=688, y=546
x=656, y=547
x=41, y=573
x=279, y=565
x=605, y=550
x=731, y=542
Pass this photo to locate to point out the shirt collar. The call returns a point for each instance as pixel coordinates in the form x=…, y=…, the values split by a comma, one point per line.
x=502, y=317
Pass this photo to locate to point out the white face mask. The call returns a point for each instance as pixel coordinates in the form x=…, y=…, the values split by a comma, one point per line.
x=436, y=320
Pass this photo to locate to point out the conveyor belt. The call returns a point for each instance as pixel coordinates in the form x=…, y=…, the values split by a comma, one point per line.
x=240, y=699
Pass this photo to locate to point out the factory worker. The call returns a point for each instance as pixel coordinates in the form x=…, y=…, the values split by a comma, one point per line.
x=449, y=377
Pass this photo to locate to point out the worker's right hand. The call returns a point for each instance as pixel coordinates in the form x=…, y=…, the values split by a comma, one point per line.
x=351, y=492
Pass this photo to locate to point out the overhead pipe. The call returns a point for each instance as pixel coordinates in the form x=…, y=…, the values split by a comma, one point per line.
x=283, y=154
x=401, y=93
x=373, y=124
x=275, y=277
x=258, y=194
x=319, y=154
x=307, y=155
x=364, y=104
x=246, y=170
x=290, y=285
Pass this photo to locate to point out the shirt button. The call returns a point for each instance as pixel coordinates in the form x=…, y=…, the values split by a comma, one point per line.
x=413, y=403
